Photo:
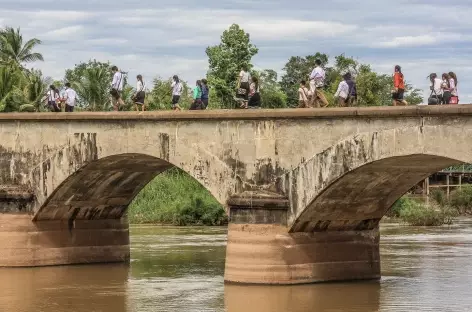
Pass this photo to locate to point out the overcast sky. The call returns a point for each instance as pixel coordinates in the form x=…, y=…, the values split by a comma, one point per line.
x=162, y=38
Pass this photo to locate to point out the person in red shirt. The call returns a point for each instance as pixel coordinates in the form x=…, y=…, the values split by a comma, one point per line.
x=399, y=87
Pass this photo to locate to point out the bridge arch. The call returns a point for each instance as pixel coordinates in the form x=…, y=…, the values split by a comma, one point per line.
x=352, y=184
x=103, y=189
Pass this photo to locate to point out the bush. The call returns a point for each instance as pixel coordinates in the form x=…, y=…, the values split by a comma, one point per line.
x=439, y=197
x=174, y=197
x=461, y=199
x=418, y=214
x=394, y=212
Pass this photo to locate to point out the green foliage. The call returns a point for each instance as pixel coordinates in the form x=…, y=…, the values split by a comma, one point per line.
x=439, y=197
x=92, y=81
x=225, y=62
x=413, y=96
x=271, y=94
x=416, y=213
x=160, y=96
x=397, y=207
x=20, y=89
x=12, y=49
x=461, y=199
x=173, y=197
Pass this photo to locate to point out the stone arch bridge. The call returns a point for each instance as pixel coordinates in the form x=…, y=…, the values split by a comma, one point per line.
x=305, y=189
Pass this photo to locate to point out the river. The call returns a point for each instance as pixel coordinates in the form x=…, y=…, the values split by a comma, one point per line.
x=181, y=269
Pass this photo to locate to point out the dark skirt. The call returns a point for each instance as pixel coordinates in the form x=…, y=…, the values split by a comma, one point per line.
x=243, y=91
x=53, y=106
x=205, y=103
x=398, y=96
x=196, y=105
x=447, y=97
x=255, y=100
x=139, y=98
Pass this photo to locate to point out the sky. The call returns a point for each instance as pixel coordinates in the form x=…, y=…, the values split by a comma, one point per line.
x=163, y=38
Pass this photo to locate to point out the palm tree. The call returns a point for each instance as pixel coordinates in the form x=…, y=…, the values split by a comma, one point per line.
x=93, y=88
x=13, y=50
x=10, y=88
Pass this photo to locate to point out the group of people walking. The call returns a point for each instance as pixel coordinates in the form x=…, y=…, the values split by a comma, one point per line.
x=200, y=94
x=443, y=91
x=55, y=101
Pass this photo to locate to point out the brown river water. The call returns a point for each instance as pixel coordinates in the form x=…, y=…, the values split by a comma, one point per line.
x=181, y=269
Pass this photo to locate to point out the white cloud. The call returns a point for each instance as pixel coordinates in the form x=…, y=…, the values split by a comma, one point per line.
x=420, y=40
x=64, y=33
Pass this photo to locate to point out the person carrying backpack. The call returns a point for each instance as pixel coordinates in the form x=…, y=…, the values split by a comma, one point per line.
x=352, y=93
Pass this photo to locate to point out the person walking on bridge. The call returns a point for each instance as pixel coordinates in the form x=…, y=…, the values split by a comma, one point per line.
x=454, y=93
x=399, y=87
x=317, y=78
x=70, y=98
x=342, y=93
x=116, y=89
x=176, y=92
x=436, y=90
x=140, y=94
x=303, y=95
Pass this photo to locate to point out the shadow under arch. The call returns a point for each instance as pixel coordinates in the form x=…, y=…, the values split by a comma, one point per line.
x=358, y=199
x=102, y=189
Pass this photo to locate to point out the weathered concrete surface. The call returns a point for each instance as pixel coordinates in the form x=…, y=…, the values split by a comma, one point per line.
x=24, y=243
x=335, y=170
x=267, y=254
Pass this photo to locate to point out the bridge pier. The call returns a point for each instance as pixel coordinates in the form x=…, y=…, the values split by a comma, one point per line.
x=24, y=243
x=260, y=249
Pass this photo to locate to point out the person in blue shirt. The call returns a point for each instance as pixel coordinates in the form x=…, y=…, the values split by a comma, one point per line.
x=205, y=93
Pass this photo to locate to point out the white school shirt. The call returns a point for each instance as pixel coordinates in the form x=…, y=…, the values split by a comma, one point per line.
x=52, y=96
x=117, y=82
x=318, y=74
x=176, y=88
x=343, y=90
x=70, y=96
x=244, y=76
x=453, y=87
x=140, y=86
x=437, y=86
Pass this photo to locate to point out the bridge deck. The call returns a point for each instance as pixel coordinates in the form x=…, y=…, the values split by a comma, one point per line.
x=288, y=113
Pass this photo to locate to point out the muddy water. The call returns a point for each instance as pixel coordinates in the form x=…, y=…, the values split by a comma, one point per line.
x=181, y=269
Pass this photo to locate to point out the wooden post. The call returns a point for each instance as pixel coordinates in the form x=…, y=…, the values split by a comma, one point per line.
x=427, y=190
x=448, y=188
x=460, y=181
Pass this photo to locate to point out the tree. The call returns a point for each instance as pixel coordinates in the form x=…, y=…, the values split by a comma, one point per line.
x=271, y=94
x=225, y=62
x=13, y=50
x=412, y=95
x=93, y=88
x=10, y=81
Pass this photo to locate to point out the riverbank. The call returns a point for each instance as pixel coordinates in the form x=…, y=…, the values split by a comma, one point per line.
x=437, y=210
x=175, y=198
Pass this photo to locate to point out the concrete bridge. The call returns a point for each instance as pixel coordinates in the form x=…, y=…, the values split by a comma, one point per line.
x=305, y=189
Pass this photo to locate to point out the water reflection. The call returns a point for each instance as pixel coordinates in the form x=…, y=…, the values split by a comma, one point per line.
x=73, y=288
x=353, y=297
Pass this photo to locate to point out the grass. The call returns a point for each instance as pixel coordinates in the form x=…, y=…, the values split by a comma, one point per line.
x=174, y=197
